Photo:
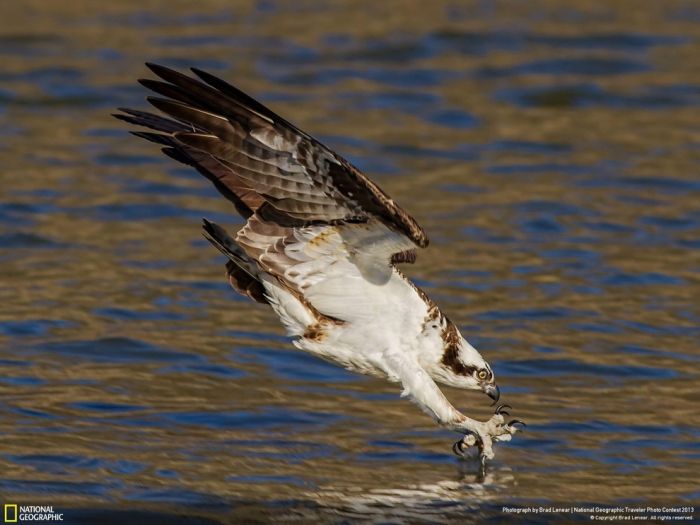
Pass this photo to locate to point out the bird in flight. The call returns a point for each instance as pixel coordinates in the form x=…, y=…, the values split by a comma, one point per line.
x=320, y=246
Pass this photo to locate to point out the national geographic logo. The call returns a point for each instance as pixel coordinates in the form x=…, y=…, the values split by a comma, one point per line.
x=13, y=513
x=10, y=515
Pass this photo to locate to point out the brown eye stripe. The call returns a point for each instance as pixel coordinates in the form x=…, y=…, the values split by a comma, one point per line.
x=450, y=358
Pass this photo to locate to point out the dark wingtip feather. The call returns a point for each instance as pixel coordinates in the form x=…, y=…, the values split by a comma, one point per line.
x=134, y=112
x=149, y=120
x=178, y=154
x=208, y=77
x=154, y=101
x=160, y=87
x=166, y=105
x=167, y=74
x=154, y=85
x=241, y=97
x=158, y=138
x=156, y=67
x=126, y=118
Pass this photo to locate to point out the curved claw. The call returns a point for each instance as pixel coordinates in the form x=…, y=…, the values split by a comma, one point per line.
x=458, y=448
x=515, y=422
x=500, y=409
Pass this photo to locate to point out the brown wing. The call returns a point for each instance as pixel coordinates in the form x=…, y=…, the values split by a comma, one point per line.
x=259, y=161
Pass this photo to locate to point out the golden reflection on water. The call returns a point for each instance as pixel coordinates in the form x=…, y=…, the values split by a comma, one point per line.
x=564, y=237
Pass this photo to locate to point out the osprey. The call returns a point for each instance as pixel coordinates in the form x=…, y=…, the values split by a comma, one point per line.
x=320, y=246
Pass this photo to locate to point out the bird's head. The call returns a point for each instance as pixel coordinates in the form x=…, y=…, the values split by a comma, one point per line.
x=462, y=366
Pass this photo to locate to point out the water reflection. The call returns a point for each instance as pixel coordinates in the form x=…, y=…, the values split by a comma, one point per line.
x=468, y=498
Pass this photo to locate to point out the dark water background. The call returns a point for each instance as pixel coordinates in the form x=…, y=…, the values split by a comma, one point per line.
x=550, y=149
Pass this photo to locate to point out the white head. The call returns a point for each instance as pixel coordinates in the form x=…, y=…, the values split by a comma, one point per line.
x=462, y=366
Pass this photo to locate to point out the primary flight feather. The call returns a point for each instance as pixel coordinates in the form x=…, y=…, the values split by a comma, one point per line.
x=320, y=245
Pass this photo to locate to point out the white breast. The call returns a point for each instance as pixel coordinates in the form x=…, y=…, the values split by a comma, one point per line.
x=375, y=317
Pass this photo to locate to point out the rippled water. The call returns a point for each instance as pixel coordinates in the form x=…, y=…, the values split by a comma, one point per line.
x=549, y=148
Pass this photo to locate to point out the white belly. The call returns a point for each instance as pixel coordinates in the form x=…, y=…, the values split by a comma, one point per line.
x=375, y=317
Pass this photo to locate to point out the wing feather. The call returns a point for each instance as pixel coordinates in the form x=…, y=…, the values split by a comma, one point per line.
x=247, y=138
x=312, y=217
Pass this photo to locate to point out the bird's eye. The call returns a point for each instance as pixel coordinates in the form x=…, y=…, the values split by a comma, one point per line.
x=482, y=374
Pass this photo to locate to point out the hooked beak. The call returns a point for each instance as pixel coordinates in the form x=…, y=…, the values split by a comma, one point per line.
x=492, y=390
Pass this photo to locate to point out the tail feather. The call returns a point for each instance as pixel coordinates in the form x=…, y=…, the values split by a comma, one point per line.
x=242, y=271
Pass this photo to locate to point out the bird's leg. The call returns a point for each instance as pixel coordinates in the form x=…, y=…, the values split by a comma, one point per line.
x=422, y=390
x=420, y=387
x=495, y=429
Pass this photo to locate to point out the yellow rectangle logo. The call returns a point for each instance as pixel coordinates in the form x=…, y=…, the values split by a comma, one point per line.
x=10, y=513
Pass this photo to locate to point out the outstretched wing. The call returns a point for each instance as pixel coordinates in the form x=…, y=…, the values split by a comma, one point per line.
x=310, y=213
